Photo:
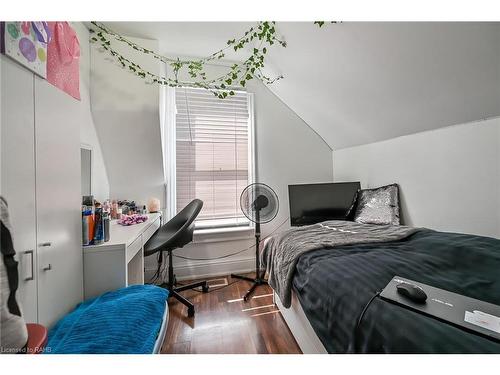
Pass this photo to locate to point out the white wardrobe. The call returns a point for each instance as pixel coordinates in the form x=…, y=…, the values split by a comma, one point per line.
x=40, y=179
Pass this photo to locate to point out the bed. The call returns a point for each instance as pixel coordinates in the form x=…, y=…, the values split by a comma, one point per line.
x=331, y=285
x=162, y=332
x=131, y=320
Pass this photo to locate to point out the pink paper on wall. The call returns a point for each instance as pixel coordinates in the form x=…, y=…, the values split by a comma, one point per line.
x=63, y=59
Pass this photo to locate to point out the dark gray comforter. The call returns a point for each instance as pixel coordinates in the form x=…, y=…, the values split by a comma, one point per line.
x=282, y=251
x=334, y=285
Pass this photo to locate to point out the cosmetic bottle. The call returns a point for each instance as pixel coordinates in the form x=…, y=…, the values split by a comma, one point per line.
x=105, y=220
x=85, y=229
x=90, y=219
x=114, y=209
x=99, y=227
x=106, y=206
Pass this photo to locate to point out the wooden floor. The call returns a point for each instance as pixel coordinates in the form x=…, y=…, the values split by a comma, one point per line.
x=223, y=323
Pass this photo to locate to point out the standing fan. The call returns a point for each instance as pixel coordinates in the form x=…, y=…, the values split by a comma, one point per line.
x=259, y=204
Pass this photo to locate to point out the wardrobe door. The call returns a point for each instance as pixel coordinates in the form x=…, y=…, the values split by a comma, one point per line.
x=58, y=202
x=18, y=175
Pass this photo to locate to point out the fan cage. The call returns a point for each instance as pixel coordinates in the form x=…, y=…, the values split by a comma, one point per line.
x=248, y=196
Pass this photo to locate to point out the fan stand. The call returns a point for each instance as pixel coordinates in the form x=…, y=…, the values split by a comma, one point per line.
x=259, y=278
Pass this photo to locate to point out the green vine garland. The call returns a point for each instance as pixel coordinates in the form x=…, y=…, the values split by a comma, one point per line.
x=260, y=38
x=321, y=23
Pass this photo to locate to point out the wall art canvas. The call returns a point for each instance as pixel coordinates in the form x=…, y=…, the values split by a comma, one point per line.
x=26, y=42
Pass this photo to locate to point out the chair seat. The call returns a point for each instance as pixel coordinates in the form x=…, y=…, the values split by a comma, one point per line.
x=37, y=338
x=168, y=238
x=158, y=240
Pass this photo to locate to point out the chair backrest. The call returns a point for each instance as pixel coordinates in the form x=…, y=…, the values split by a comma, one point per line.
x=182, y=224
x=177, y=232
x=188, y=214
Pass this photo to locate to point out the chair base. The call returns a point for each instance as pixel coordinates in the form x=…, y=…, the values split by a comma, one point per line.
x=174, y=292
x=256, y=282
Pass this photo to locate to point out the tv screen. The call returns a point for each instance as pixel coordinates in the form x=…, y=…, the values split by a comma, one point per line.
x=314, y=203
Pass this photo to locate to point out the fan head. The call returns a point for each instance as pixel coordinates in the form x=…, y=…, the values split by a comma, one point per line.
x=259, y=203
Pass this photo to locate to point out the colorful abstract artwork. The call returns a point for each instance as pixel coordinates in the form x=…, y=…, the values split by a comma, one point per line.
x=26, y=42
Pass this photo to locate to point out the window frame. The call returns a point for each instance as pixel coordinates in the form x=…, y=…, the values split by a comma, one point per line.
x=241, y=228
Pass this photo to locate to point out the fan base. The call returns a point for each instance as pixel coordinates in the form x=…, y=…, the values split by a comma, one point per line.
x=256, y=282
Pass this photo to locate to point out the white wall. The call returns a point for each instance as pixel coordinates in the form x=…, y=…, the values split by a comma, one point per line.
x=126, y=115
x=88, y=134
x=449, y=178
x=354, y=82
x=288, y=152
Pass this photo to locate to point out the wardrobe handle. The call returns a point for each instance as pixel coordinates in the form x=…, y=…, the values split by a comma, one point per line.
x=45, y=244
x=47, y=268
x=32, y=277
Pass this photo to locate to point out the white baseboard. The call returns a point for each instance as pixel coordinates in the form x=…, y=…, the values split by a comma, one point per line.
x=209, y=269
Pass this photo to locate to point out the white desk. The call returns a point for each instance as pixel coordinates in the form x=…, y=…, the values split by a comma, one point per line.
x=120, y=261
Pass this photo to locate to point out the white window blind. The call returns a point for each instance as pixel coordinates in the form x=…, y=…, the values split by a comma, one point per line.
x=212, y=154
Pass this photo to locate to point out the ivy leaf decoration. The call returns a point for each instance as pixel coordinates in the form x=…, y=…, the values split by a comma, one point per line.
x=258, y=39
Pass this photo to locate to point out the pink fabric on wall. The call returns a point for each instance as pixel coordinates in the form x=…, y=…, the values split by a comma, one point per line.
x=63, y=59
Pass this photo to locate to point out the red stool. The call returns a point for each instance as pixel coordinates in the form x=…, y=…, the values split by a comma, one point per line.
x=37, y=338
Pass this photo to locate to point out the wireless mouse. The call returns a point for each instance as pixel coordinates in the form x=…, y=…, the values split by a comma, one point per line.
x=412, y=292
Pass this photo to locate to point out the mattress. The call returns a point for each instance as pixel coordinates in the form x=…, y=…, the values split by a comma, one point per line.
x=162, y=332
x=129, y=320
x=334, y=285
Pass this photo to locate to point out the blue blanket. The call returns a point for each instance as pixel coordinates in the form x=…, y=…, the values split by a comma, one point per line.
x=125, y=321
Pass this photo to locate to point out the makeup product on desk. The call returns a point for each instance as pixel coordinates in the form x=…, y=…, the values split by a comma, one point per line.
x=114, y=209
x=128, y=207
x=90, y=219
x=87, y=225
x=88, y=200
x=85, y=230
x=98, y=226
x=106, y=207
x=105, y=220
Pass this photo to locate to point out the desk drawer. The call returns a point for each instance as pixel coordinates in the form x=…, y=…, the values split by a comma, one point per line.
x=134, y=248
x=151, y=230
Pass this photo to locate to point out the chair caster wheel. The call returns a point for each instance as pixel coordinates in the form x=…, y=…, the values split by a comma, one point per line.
x=190, y=312
x=204, y=288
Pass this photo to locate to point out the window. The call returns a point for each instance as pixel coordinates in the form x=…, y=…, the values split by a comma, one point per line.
x=213, y=154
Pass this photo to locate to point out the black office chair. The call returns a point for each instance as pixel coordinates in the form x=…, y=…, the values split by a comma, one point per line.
x=173, y=235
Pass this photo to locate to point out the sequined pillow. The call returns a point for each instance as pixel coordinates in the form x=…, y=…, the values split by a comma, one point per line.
x=378, y=206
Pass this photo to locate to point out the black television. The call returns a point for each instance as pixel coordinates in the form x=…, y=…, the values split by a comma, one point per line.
x=314, y=203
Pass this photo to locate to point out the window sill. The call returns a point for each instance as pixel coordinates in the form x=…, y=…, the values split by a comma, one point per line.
x=223, y=234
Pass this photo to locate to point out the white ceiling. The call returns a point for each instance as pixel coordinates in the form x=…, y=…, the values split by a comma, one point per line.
x=357, y=83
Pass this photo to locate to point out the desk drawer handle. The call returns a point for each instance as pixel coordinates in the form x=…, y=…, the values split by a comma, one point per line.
x=48, y=268
x=45, y=244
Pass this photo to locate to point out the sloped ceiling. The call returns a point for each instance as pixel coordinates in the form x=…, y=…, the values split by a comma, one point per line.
x=358, y=83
